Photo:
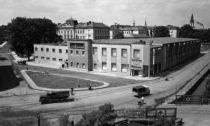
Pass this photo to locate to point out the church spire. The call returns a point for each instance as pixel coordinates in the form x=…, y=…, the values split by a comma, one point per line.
x=145, y=24
x=192, y=21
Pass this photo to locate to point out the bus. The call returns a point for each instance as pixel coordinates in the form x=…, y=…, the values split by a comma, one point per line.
x=141, y=90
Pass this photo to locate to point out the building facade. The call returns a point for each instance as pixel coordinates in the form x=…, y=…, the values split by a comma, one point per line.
x=135, y=57
x=71, y=29
x=47, y=53
x=80, y=55
x=128, y=31
x=139, y=57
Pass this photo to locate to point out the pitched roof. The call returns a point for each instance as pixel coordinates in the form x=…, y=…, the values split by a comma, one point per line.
x=91, y=25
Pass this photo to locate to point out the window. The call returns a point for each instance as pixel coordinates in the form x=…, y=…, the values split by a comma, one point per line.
x=47, y=49
x=77, y=52
x=42, y=57
x=36, y=48
x=114, y=67
x=71, y=51
x=77, y=65
x=83, y=65
x=136, y=53
x=60, y=50
x=54, y=59
x=104, y=66
x=66, y=51
x=95, y=65
x=48, y=58
x=104, y=52
x=83, y=53
x=124, y=67
x=114, y=52
x=124, y=52
x=42, y=49
x=53, y=50
x=60, y=59
x=95, y=51
x=71, y=64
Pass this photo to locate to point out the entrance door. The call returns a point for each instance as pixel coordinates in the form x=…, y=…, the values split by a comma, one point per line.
x=135, y=72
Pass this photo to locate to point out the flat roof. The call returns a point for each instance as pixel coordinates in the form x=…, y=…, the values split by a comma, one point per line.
x=53, y=44
x=159, y=41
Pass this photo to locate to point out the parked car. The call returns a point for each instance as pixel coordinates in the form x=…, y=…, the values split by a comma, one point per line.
x=22, y=62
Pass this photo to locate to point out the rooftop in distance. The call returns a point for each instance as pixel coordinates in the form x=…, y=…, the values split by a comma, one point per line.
x=159, y=41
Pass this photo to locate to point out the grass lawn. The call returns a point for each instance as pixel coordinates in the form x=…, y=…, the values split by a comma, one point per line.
x=54, y=81
x=113, y=81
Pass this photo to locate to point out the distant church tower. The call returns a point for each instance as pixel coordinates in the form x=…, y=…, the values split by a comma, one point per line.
x=192, y=21
x=145, y=24
x=134, y=24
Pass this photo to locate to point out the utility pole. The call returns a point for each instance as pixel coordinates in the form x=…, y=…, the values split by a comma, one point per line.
x=38, y=119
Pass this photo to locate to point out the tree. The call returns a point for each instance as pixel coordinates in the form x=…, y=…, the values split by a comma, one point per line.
x=186, y=31
x=101, y=117
x=118, y=35
x=202, y=34
x=3, y=33
x=24, y=32
x=161, y=31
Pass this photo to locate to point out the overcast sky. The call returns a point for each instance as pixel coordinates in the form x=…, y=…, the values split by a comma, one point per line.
x=156, y=12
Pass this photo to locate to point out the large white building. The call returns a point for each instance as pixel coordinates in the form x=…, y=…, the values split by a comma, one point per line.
x=71, y=29
x=135, y=57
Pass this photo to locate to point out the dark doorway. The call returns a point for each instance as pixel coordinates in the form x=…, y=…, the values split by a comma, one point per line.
x=135, y=72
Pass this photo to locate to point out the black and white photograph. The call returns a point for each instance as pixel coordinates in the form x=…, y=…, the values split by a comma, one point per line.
x=104, y=63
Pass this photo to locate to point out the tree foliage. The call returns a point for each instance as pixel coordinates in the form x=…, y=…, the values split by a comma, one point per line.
x=186, y=31
x=161, y=31
x=100, y=117
x=118, y=35
x=3, y=33
x=24, y=32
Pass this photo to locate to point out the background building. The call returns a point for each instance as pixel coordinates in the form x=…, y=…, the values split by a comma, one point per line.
x=128, y=31
x=71, y=29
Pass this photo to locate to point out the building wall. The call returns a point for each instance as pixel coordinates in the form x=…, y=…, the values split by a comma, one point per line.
x=80, y=57
x=173, y=33
x=67, y=33
x=177, y=53
x=42, y=55
x=98, y=59
x=137, y=61
x=89, y=34
x=101, y=33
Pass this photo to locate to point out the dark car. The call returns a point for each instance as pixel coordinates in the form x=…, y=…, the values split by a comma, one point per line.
x=22, y=62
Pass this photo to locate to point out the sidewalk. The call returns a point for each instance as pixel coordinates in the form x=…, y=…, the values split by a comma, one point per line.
x=58, y=66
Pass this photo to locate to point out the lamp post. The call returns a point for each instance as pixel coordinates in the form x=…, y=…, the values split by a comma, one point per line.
x=38, y=119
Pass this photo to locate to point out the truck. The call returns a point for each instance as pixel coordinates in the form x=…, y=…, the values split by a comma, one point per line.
x=51, y=97
x=141, y=90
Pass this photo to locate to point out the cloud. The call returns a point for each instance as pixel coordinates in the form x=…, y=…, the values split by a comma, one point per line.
x=157, y=12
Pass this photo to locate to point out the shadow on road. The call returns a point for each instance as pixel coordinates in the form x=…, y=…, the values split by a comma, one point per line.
x=8, y=80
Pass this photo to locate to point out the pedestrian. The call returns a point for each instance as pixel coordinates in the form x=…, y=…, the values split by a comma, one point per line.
x=72, y=91
x=90, y=88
